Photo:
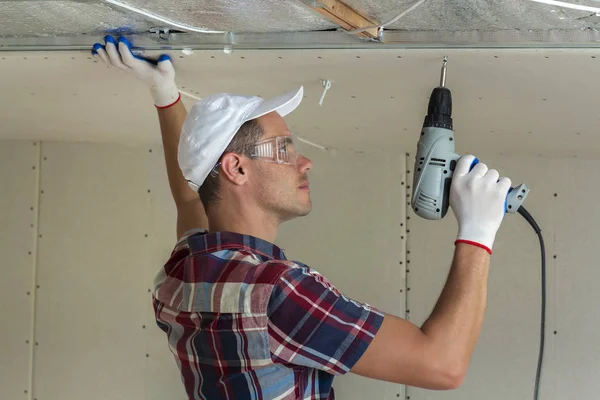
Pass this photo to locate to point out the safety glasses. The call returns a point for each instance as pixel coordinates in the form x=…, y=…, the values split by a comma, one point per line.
x=279, y=149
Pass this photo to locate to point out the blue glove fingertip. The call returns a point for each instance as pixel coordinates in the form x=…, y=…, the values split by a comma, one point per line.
x=125, y=41
x=164, y=57
x=474, y=163
x=109, y=39
x=96, y=47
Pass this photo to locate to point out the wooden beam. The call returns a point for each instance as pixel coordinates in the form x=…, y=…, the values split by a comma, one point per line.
x=343, y=15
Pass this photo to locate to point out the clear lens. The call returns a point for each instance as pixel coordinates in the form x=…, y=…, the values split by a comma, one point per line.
x=280, y=149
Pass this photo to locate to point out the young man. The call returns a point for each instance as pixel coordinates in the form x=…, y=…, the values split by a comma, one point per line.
x=242, y=321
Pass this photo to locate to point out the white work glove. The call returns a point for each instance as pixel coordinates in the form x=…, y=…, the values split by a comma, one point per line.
x=478, y=200
x=158, y=75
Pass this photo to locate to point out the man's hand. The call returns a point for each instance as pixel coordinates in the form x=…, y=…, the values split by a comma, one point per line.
x=158, y=75
x=478, y=201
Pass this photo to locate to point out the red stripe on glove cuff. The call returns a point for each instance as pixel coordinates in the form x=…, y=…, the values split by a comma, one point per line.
x=474, y=244
x=170, y=105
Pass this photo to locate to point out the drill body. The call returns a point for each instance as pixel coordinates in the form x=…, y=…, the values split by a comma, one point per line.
x=436, y=160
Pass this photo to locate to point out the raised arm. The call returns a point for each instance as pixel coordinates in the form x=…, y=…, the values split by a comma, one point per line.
x=159, y=76
x=437, y=355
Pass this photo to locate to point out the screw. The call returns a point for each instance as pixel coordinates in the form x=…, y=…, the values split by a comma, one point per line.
x=555, y=332
x=555, y=194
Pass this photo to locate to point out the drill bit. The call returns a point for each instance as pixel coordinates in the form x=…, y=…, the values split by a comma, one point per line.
x=443, y=77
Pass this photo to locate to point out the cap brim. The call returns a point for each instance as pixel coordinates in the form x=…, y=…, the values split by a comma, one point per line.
x=284, y=104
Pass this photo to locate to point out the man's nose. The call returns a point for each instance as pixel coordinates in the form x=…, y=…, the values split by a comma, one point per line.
x=304, y=164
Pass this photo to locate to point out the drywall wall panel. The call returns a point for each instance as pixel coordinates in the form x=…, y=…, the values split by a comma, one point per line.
x=92, y=296
x=577, y=327
x=162, y=378
x=19, y=168
x=355, y=236
x=562, y=199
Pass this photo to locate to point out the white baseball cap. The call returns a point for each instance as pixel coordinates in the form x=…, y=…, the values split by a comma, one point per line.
x=213, y=122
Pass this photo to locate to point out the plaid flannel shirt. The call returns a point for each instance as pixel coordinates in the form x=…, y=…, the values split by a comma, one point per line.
x=243, y=322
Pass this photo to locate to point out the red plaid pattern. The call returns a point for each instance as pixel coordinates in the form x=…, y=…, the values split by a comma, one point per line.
x=243, y=322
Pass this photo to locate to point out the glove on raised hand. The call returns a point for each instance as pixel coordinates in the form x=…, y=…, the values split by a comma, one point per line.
x=158, y=75
x=477, y=198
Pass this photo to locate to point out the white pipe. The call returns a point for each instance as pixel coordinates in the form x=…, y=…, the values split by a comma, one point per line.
x=157, y=17
x=191, y=96
x=569, y=5
x=308, y=142
x=391, y=21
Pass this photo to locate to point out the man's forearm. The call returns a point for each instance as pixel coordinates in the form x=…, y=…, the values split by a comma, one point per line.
x=455, y=323
x=171, y=120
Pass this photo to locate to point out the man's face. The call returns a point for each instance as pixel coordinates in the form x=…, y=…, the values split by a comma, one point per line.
x=280, y=188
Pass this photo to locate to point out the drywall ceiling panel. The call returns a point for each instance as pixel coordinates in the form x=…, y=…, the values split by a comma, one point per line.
x=508, y=101
x=92, y=273
x=355, y=237
x=505, y=359
x=53, y=18
x=18, y=219
x=465, y=15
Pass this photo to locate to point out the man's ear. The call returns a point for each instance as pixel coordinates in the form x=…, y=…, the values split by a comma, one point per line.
x=234, y=167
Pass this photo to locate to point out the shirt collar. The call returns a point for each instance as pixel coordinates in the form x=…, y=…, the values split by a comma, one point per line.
x=205, y=242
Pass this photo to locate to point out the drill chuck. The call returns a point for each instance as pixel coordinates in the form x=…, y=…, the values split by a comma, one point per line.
x=439, y=111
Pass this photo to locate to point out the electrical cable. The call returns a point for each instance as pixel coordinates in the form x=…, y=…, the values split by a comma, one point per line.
x=396, y=18
x=525, y=214
x=160, y=18
x=569, y=5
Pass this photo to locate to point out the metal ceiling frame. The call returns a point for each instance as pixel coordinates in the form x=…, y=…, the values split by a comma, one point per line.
x=165, y=40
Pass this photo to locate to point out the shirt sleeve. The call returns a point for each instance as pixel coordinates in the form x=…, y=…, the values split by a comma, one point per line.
x=312, y=324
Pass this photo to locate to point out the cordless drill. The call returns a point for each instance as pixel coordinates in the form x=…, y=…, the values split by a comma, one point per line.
x=436, y=159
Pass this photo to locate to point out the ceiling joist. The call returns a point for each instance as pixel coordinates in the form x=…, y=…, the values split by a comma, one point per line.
x=345, y=16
